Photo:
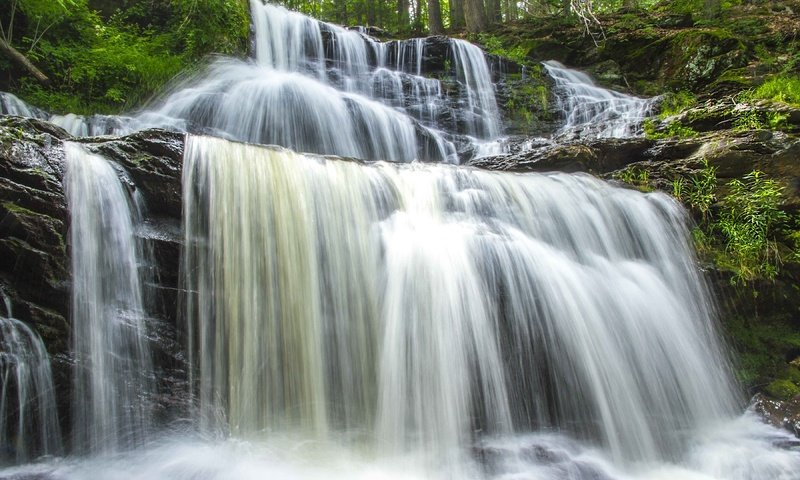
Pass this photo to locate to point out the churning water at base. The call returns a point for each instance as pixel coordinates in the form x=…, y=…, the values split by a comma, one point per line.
x=593, y=111
x=113, y=372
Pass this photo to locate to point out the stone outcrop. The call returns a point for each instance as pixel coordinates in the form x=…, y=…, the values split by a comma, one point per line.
x=34, y=240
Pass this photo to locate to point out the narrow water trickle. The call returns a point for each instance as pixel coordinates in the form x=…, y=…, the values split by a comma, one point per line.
x=113, y=371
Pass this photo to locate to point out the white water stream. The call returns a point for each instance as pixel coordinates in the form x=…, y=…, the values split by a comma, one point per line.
x=113, y=371
x=28, y=417
x=593, y=111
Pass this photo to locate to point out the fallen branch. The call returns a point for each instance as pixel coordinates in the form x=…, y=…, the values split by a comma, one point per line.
x=21, y=59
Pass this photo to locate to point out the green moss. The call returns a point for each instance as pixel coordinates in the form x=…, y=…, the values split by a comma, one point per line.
x=762, y=344
x=783, y=389
x=19, y=210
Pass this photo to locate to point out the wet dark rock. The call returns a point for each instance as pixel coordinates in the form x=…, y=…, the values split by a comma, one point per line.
x=595, y=156
x=733, y=153
x=153, y=158
x=33, y=225
x=781, y=414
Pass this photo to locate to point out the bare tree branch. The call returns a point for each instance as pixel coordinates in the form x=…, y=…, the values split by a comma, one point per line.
x=22, y=60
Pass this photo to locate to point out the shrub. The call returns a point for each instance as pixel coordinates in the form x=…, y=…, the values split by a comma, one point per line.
x=750, y=217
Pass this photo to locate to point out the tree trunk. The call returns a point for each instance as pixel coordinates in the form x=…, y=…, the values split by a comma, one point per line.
x=475, y=15
x=402, y=15
x=493, y=13
x=512, y=12
x=371, y=13
x=456, y=14
x=23, y=61
x=418, y=27
x=341, y=12
x=435, y=18
x=712, y=8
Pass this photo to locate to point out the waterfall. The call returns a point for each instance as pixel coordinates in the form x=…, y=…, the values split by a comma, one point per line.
x=481, y=107
x=317, y=87
x=11, y=105
x=424, y=303
x=113, y=372
x=28, y=417
x=593, y=111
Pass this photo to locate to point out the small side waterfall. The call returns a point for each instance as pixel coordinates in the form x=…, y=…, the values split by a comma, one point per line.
x=28, y=418
x=481, y=107
x=113, y=372
x=11, y=105
x=424, y=303
x=593, y=111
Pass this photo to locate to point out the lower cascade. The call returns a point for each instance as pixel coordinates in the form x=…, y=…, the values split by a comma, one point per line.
x=425, y=312
x=345, y=319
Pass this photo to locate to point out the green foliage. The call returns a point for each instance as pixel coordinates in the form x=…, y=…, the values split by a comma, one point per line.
x=674, y=103
x=98, y=65
x=748, y=120
x=781, y=88
x=671, y=130
x=698, y=191
x=636, y=177
x=749, y=220
x=740, y=233
x=756, y=119
x=219, y=26
x=495, y=46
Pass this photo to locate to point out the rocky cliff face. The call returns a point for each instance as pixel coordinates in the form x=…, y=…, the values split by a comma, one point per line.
x=34, y=223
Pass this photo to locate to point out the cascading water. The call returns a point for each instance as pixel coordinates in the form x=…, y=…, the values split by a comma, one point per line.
x=418, y=310
x=348, y=320
x=593, y=111
x=94, y=125
x=11, y=105
x=28, y=417
x=346, y=93
x=113, y=372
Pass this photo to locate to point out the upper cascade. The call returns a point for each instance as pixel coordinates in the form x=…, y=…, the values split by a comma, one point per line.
x=321, y=88
x=593, y=111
